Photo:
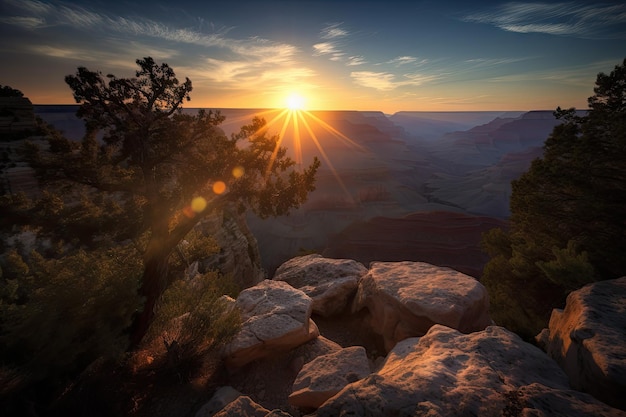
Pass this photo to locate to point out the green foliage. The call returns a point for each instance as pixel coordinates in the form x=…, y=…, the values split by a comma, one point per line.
x=569, y=269
x=567, y=224
x=194, y=316
x=58, y=315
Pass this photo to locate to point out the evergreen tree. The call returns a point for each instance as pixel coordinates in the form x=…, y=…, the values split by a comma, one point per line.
x=148, y=172
x=568, y=213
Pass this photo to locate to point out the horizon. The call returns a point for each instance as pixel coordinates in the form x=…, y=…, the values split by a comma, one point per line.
x=356, y=55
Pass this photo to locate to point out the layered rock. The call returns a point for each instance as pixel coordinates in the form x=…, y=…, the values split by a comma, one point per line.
x=443, y=238
x=239, y=253
x=326, y=375
x=405, y=299
x=588, y=340
x=329, y=282
x=448, y=373
x=276, y=318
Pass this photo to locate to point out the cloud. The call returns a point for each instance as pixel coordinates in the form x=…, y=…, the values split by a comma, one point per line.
x=356, y=60
x=597, y=21
x=333, y=31
x=331, y=45
x=402, y=60
x=385, y=81
x=378, y=80
x=24, y=21
x=581, y=76
x=83, y=19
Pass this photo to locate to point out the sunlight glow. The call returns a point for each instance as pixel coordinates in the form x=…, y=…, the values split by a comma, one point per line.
x=295, y=102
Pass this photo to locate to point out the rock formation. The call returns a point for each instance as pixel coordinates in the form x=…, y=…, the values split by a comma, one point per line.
x=405, y=299
x=329, y=282
x=588, y=340
x=447, y=373
x=239, y=253
x=326, y=375
x=473, y=369
x=276, y=318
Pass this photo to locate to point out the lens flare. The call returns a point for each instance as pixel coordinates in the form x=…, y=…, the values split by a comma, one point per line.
x=198, y=204
x=219, y=187
x=238, y=172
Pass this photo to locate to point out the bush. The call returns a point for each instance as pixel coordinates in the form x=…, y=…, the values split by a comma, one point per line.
x=195, y=316
x=59, y=315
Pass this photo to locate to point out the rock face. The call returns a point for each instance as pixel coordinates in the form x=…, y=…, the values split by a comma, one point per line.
x=326, y=375
x=276, y=318
x=329, y=282
x=447, y=373
x=405, y=299
x=588, y=340
x=442, y=238
x=239, y=253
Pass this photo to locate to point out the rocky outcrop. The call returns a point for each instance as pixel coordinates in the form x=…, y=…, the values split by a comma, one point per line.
x=405, y=299
x=276, y=318
x=239, y=253
x=326, y=375
x=448, y=373
x=329, y=282
x=588, y=340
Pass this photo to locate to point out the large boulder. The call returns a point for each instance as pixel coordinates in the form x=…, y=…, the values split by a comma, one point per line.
x=326, y=375
x=447, y=373
x=588, y=340
x=329, y=282
x=276, y=318
x=405, y=299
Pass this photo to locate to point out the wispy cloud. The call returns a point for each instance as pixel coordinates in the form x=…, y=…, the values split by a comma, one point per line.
x=402, y=60
x=25, y=22
x=356, y=60
x=386, y=81
x=81, y=18
x=331, y=36
x=333, y=31
x=596, y=21
x=581, y=76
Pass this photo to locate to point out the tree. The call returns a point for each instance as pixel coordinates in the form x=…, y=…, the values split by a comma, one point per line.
x=147, y=169
x=568, y=213
x=6, y=91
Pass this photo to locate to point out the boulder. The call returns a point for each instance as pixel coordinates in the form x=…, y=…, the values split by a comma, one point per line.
x=221, y=398
x=242, y=406
x=329, y=282
x=326, y=375
x=275, y=318
x=268, y=381
x=405, y=299
x=588, y=340
x=447, y=373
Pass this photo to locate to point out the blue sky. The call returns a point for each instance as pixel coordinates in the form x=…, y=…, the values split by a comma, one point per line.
x=353, y=55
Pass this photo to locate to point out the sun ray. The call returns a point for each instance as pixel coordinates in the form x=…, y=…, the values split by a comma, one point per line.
x=323, y=154
x=336, y=132
x=296, y=137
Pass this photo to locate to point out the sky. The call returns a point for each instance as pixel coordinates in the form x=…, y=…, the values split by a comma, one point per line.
x=336, y=55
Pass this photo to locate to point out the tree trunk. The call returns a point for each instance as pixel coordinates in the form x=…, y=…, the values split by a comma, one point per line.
x=154, y=283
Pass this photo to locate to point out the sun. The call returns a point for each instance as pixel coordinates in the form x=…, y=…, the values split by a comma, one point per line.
x=295, y=101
